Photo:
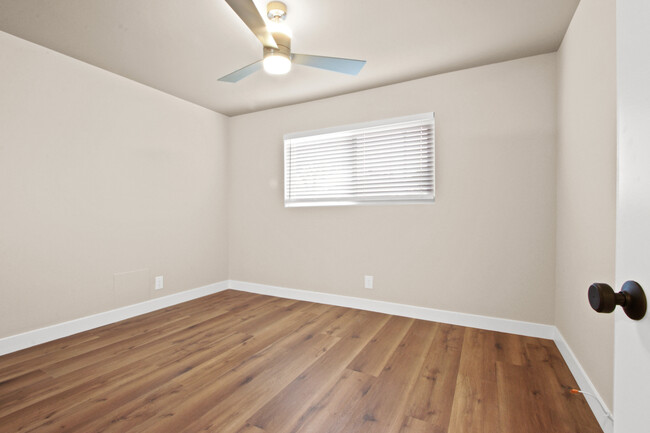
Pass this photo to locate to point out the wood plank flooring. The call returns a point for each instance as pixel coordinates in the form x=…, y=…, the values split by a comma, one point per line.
x=236, y=362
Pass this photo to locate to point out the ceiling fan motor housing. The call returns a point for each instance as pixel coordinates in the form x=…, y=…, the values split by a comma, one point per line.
x=284, y=46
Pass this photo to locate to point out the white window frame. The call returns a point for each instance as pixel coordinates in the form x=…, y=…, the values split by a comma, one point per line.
x=356, y=130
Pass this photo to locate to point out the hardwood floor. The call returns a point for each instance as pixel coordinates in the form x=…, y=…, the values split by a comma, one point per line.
x=244, y=363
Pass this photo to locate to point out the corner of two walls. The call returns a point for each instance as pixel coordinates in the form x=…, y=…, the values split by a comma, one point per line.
x=586, y=186
x=105, y=183
x=487, y=245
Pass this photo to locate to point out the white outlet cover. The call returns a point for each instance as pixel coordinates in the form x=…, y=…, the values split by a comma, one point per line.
x=159, y=282
x=368, y=280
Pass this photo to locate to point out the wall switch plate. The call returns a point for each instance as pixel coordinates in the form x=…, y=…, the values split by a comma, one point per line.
x=367, y=281
x=159, y=283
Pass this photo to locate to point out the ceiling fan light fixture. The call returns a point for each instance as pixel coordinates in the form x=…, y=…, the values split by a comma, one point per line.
x=276, y=43
x=276, y=63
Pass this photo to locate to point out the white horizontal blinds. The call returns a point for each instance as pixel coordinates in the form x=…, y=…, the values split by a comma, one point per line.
x=392, y=161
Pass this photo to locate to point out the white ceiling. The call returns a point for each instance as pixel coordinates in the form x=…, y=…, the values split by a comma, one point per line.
x=183, y=46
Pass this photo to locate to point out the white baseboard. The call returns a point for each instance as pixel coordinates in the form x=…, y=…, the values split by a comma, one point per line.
x=584, y=383
x=464, y=319
x=60, y=330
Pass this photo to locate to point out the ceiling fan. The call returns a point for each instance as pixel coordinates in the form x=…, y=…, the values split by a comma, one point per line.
x=276, y=40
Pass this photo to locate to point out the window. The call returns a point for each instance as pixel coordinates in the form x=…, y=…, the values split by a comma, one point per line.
x=389, y=161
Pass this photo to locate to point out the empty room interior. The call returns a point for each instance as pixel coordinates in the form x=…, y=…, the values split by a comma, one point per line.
x=243, y=216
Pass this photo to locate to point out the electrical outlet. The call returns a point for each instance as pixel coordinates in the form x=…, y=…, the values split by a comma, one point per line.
x=159, y=282
x=367, y=280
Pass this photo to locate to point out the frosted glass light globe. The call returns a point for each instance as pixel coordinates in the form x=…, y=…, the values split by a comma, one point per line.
x=277, y=64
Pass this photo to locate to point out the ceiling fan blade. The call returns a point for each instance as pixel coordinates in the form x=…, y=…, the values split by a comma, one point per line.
x=247, y=11
x=336, y=64
x=242, y=73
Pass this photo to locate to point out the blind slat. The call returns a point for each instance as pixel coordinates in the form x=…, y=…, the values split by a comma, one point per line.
x=365, y=187
x=323, y=147
x=346, y=180
x=366, y=194
x=416, y=149
x=408, y=160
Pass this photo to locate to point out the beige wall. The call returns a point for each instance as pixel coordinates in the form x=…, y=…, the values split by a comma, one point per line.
x=100, y=176
x=586, y=185
x=487, y=246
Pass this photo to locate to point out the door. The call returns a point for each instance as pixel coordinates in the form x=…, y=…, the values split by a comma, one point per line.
x=632, y=338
